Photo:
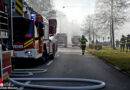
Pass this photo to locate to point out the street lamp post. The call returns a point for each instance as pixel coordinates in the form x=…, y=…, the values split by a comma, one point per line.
x=60, y=23
x=61, y=20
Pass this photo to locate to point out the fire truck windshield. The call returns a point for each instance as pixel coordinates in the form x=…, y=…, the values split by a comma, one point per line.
x=60, y=38
x=23, y=30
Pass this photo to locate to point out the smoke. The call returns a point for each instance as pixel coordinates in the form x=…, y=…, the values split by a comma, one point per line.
x=71, y=28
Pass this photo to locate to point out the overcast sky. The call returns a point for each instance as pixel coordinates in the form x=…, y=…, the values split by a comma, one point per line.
x=75, y=10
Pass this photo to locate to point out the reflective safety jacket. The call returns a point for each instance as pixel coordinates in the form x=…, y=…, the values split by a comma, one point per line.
x=123, y=41
x=128, y=40
x=83, y=41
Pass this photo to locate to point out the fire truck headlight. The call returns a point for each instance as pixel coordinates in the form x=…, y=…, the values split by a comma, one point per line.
x=28, y=52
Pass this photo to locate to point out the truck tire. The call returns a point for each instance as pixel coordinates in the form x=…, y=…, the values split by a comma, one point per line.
x=43, y=59
x=52, y=56
x=44, y=55
x=65, y=46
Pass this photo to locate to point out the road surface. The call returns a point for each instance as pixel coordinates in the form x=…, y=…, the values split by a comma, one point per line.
x=69, y=63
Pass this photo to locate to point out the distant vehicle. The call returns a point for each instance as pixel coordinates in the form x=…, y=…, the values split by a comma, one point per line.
x=75, y=41
x=105, y=43
x=61, y=39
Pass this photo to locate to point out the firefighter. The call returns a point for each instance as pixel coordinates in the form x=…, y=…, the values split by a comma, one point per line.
x=128, y=43
x=122, y=43
x=83, y=44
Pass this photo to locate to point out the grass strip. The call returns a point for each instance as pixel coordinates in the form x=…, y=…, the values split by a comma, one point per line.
x=115, y=57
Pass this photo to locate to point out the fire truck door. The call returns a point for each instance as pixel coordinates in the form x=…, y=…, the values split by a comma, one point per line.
x=5, y=62
x=1, y=74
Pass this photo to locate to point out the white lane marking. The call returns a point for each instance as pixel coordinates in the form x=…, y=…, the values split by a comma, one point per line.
x=22, y=88
x=58, y=55
x=50, y=63
x=69, y=51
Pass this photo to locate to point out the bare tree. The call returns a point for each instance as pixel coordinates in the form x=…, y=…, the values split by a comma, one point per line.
x=86, y=28
x=44, y=7
x=90, y=28
x=111, y=15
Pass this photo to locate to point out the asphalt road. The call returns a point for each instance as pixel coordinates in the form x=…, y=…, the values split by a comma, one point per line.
x=69, y=63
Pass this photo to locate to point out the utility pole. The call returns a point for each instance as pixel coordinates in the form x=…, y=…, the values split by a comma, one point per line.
x=60, y=23
x=61, y=20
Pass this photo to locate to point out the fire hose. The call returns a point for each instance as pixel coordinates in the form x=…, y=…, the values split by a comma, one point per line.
x=25, y=74
x=99, y=85
x=15, y=81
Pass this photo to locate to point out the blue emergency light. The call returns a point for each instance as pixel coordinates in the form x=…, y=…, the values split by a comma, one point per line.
x=33, y=15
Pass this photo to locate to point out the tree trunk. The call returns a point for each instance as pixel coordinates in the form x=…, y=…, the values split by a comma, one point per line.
x=112, y=26
x=93, y=34
x=89, y=36
x=110, y=34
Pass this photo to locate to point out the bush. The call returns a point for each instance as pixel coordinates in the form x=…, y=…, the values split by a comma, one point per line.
x=97, y=47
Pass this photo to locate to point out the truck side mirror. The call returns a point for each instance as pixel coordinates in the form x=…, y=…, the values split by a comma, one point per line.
x=52, y=26
x=51, y=30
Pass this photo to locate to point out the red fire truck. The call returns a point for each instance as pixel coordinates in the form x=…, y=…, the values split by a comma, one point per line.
x=31, y=34
x=5, y=54
x=61, y=39
x=75, y=41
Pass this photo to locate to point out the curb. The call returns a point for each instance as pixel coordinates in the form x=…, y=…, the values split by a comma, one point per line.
x=117, y=68
x=113, y=66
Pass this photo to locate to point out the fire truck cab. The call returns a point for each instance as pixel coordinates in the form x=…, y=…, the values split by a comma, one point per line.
x=28, y=38
x=31, y=34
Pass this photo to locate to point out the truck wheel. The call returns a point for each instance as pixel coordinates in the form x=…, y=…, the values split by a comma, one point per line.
x=44, y=56
x=53, y=54
x=43, y=59
x=65, y=46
